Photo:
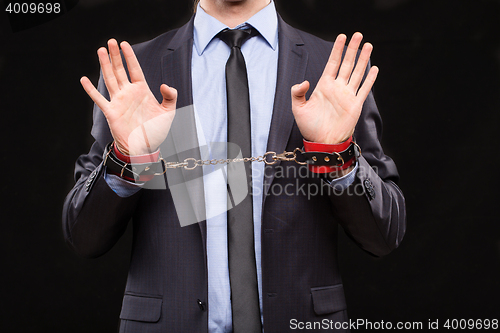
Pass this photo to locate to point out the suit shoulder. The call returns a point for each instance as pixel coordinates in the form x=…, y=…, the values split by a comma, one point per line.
x=312, y=39
x=157, y=45
x=318, y=49
x=318, y=45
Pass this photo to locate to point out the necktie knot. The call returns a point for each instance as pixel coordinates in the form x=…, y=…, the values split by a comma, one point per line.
x=236, y=37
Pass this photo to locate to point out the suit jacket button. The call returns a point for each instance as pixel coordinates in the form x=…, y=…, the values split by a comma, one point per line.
x=202, y=305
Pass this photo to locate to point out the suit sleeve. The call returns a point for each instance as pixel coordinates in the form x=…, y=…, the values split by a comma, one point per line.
x=94, y=216
x=372, y=209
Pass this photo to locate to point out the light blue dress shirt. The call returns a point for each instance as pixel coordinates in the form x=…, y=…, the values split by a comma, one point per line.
x=208, y=73
x=209, y=97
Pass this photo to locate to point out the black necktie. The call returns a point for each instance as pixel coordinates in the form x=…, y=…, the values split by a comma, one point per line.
x=241, y=252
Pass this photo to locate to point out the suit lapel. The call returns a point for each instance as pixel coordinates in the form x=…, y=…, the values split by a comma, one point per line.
x=183, y=139
x=292, y=63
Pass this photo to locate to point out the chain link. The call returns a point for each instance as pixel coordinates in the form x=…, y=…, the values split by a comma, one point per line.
x=269, y=158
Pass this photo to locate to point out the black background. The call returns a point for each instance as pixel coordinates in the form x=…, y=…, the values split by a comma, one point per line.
x=438, y=92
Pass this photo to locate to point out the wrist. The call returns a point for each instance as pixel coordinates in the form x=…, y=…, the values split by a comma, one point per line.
x=126, y=152
x=145, y=158
x=120, y=149
x=331, y=141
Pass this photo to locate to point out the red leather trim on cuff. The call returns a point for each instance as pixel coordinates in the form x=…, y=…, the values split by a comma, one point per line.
x=328, y=148
x=138, y=159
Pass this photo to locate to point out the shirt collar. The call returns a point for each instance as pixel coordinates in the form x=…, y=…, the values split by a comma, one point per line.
x=207, y=27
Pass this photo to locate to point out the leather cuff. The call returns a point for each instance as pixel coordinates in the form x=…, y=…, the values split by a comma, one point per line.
x=132, y=170
x=326, y=158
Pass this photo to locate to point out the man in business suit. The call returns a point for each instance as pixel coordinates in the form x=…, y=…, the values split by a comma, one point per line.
x=178, y=279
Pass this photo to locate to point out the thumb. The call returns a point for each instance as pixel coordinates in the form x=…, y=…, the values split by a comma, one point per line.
x=299, y=94
x=169, y=97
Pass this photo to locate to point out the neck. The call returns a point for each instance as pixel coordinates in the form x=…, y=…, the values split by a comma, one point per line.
x=233, y=12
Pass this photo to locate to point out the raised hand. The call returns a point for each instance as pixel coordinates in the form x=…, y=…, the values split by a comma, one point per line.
x=332, y=111
x=138, y=123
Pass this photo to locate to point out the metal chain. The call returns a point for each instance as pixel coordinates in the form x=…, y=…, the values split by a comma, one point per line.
x=192, y=163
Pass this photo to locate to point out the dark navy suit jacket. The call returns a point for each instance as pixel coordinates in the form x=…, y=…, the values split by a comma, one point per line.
x=167, y=283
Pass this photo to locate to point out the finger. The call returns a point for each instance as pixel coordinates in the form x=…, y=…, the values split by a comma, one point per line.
x=96, y=96
x=333, y=64
x=350, y=57
x=299, y=94
x=133, y=66
x=367, y=85
x=359, y=70
x=169, y=97
x=107, y=71
x=116, y=61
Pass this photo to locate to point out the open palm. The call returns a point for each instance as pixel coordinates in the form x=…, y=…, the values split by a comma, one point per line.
x=138, y=123
x=331, y=113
